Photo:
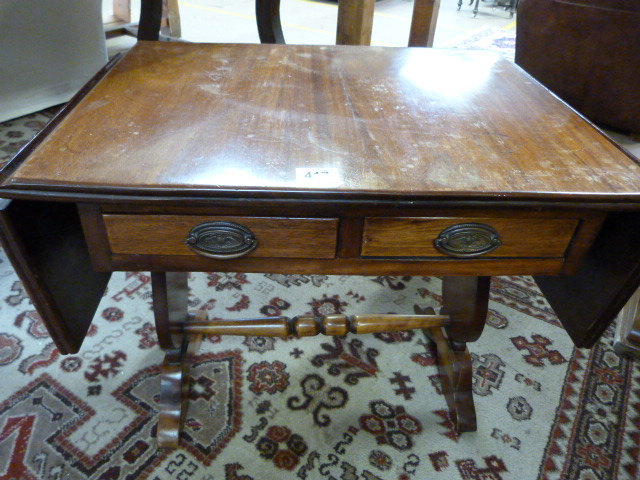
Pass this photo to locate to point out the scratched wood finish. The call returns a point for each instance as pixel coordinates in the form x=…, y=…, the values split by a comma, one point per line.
x=520, y=237
x=277, y=237
x=404, y=123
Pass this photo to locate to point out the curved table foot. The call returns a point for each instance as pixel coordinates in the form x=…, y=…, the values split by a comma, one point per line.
x=454, y=368
x=174, y=387
x=466, y=301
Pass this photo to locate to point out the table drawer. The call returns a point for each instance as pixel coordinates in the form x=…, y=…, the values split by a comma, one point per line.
x=168, y=234
x=486, y=237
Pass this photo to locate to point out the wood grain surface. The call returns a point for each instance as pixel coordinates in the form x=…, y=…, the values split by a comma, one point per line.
x=355, y=22
x=204, y=120
x=277, y=237
x=520, y=237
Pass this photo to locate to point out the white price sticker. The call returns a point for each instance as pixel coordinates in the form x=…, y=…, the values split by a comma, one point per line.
x=319, y=176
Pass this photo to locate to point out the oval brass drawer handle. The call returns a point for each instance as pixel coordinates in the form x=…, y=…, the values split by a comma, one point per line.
x=468, y=240
x=222, y=240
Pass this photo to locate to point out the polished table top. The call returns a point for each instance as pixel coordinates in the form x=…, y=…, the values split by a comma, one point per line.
x=348, y=122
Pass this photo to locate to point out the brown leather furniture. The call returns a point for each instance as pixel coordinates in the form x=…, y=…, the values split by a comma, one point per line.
x=588, y=53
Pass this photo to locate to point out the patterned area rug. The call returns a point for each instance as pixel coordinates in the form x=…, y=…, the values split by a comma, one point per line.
x=355, y=408
x=15, y=134
x=359, y=407
x=488, y=38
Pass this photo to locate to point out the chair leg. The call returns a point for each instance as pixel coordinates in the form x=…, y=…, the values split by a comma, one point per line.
x=268, y=20
x=355, y=22
x=423, y=22
x=476, y=7
x=171, y=10
x=150, y=19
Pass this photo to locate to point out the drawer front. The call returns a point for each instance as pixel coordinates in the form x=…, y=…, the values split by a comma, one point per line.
x=168, y=235
x=419, y=237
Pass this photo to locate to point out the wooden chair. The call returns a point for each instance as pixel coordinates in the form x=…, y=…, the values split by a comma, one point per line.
x=161, y=16
x=154, y=14
x=355, y=21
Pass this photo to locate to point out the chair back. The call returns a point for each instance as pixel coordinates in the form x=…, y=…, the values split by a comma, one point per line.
x=355, y=21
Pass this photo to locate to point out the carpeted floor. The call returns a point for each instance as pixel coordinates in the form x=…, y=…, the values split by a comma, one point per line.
x=366, y=407
x=488, y=38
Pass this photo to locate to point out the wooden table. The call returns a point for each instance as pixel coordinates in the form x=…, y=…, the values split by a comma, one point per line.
x=323, y=160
